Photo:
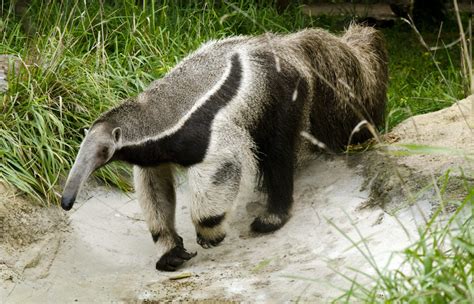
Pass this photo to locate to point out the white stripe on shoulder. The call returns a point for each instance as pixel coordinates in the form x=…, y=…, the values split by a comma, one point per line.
x=201, y=101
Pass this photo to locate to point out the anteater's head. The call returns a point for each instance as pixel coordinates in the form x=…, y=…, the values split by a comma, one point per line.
x=97, y=149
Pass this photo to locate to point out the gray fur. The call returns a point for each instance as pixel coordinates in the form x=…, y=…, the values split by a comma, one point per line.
x=233, y=89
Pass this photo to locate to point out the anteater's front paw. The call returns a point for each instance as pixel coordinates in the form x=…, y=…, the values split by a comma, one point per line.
x=269, y=222
x=174, y=258
x=209, y=242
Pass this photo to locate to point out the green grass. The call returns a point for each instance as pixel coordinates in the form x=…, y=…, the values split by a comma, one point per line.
x=416, y=86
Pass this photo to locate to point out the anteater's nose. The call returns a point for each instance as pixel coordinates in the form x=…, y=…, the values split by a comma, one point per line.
x=67, y=202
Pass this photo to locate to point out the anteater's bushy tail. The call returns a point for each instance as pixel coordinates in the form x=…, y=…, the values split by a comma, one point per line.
x=349, y=81
x=369, y=47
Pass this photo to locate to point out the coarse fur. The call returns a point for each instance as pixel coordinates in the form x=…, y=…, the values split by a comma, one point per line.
x=231, y=114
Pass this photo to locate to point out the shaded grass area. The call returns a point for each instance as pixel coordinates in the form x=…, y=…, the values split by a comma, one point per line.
x=416, y=85
x=83, y=57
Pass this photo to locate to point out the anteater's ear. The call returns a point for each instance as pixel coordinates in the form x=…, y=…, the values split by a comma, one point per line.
x=117, y=135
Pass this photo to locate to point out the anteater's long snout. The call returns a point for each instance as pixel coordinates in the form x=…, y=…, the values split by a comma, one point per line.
x=96, y=150
x=80, y=171
x=72, y=187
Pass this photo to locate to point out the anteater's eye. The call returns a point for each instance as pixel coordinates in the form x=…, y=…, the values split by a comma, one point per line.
x=104, y=152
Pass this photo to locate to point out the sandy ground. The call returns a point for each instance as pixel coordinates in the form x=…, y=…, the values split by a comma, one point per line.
x=109, y=255
x=105, y=253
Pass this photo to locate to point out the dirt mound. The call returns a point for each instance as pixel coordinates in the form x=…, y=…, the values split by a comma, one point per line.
x=24, y=223
x=445, y=140
x=27, y=234
x=428, y=157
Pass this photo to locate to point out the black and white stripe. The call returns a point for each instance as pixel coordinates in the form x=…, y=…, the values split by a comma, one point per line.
x=187, y=142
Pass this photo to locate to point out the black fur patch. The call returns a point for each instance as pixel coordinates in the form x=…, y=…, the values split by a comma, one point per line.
x=278, y=130
x=259, y=225
x=155, y=237
x=225, y=173
x=212, y=221
x=189, y=144
x=174, y=258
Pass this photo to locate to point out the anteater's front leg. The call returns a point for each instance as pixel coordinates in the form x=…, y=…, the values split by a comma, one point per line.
x=156, y=195
x=214, y=188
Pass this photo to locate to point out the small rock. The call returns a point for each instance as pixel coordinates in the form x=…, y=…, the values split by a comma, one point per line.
x=7, y=62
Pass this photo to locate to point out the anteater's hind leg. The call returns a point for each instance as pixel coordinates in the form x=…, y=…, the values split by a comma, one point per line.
x=214, y=188
x=156, y=195
x=278, y=186
x=276, y=136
